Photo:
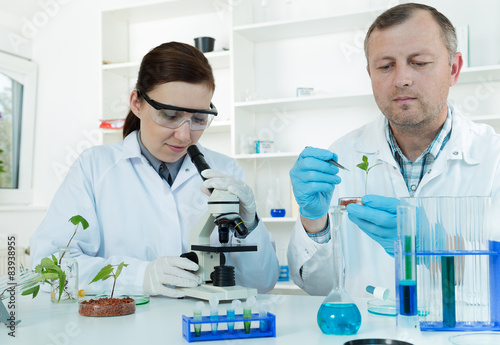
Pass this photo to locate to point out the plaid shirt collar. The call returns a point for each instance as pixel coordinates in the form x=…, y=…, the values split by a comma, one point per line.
x=414, y=171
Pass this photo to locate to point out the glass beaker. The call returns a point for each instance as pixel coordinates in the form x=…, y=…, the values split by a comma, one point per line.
x=338, y=314
x=70, y=267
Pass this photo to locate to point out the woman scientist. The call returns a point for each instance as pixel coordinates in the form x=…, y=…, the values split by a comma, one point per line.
x=142, y=196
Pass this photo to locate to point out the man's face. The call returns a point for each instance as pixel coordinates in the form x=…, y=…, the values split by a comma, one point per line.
x=410, y=72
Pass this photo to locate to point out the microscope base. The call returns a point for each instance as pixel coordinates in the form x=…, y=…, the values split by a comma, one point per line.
x=224, y=293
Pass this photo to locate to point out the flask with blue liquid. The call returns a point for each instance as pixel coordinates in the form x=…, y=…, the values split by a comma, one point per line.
x=338, y=315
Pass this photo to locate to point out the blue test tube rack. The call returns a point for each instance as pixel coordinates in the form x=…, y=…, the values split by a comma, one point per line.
x=266, y=327
x=493, y=324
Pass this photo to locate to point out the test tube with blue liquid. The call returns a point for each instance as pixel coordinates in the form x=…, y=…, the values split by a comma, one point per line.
x=230, y=314
x=338, y=315
x=406, y=268
x=214, y=313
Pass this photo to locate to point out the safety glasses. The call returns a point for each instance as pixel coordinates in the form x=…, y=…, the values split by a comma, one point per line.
x=173, y=117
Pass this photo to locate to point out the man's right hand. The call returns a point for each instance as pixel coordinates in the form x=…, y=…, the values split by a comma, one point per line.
x=313, y=181
x=167, y=272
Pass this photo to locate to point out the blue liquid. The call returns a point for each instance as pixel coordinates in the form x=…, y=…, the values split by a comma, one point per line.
x=408, y=297
x=339, y=319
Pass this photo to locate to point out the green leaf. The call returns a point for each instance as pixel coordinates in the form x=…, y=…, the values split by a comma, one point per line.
x=62, y=282
x=47, y=263
x=363, y=166
x=54, y=259
x=79, y=220
x=103, y=274
x=50, y=276
x=119, y=269
x=33, y=291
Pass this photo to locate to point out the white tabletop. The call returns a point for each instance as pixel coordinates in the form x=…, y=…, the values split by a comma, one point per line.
x=160, y=322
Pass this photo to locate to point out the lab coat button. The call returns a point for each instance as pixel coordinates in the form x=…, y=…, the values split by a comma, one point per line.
x=187, y=169
x=307, y=252
x=413, y=187
x=455, y=153
x=429, y=171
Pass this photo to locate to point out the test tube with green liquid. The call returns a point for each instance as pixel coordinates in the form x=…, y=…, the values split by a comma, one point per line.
x=247, y=313
x=448, y=291
x=197, y=316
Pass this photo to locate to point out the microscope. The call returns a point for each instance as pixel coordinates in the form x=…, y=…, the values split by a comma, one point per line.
x=223, y=212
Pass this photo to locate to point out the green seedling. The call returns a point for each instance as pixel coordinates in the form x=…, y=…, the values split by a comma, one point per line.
x=107, y=272
x=366, y=167
x=2, y=167
x=49, y=269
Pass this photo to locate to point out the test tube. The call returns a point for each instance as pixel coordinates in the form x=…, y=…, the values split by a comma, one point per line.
x=230, y=314
x=197, y=316
x=407, y=267
x=448, y=285
x=247, y=313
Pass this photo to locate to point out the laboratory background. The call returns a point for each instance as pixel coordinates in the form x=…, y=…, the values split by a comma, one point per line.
x=288, y=73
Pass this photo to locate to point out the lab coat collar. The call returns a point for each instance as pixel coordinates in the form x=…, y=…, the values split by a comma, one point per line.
x=373, y=140
x=131, y=150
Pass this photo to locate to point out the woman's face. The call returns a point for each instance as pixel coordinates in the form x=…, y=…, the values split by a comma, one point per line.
x=166, y=144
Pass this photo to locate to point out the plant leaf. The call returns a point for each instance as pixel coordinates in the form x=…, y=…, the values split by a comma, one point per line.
x=47, y=263
x=103, y=273
x=79, y=220
x=119, y=269
x=33, y=291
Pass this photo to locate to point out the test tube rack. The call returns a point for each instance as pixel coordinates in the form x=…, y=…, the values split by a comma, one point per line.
x=266, y=327
x=471, y=311
x=478, y=309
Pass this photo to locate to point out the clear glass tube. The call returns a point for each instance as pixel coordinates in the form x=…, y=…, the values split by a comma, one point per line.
x=406, y=274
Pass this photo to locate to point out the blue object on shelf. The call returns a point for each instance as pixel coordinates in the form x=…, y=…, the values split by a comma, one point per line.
x=284, y=274
x=223, y=333
x=278, y=212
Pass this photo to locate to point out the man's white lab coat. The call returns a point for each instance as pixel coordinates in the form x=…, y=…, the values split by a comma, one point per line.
x=136, y=217
x=469, y=165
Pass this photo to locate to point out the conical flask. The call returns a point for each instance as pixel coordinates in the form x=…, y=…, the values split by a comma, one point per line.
x=338, y=314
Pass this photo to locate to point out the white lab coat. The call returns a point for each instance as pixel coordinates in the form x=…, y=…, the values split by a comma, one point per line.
x=136, y=217
x=469, y=165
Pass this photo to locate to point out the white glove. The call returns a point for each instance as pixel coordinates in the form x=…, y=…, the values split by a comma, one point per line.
x=217, y=180
x=165, y=273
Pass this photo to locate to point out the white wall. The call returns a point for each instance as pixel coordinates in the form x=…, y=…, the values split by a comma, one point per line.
x=66, y=49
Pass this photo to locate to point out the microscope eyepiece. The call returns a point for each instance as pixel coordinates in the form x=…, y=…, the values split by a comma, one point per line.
x=198, y=159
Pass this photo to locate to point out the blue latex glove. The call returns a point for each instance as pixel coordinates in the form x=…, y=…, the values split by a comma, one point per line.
x=313, y=181
x=377, y=218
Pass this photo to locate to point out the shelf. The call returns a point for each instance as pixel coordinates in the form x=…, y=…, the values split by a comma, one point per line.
x=218, y=60
x=482, y=74
x=161, y=10
x=268, y=155
x=279, y=220
x=308, y=102
x=308, y=27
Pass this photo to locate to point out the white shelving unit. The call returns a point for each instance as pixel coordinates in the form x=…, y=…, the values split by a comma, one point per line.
x=129, y=32
x=271, y=52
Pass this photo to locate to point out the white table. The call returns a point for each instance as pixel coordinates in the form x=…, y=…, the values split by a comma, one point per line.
x=160, y=322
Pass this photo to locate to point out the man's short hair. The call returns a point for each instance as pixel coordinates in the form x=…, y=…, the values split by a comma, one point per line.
x=401, y=13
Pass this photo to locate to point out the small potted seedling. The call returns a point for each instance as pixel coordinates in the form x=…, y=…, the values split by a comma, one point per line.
x=108, y=306
x=61, y=274
x=365, y=166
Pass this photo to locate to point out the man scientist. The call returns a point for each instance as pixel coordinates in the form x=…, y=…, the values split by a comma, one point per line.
x=424, y=146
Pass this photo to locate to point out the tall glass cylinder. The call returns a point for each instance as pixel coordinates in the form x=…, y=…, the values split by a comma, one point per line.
x=406, y=267
x=69, y=266
x=338, y=314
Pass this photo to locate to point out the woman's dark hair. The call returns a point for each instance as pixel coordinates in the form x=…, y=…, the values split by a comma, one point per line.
x=172, y=61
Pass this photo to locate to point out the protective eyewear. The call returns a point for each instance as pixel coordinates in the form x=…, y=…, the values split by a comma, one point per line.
x=173, y=117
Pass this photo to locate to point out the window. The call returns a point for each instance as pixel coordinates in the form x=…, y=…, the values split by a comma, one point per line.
x=17, y=123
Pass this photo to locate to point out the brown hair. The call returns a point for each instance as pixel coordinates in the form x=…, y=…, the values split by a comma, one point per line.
x=401, y=13
x=172, y=61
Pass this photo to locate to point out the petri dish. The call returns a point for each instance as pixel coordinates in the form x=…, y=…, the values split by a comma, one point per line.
x=476, y=338
x=377, y=341
x=381, y=307
x=140, y=298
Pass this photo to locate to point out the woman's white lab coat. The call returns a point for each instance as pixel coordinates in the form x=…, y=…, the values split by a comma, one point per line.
x=469, y=165
x=136, y=217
